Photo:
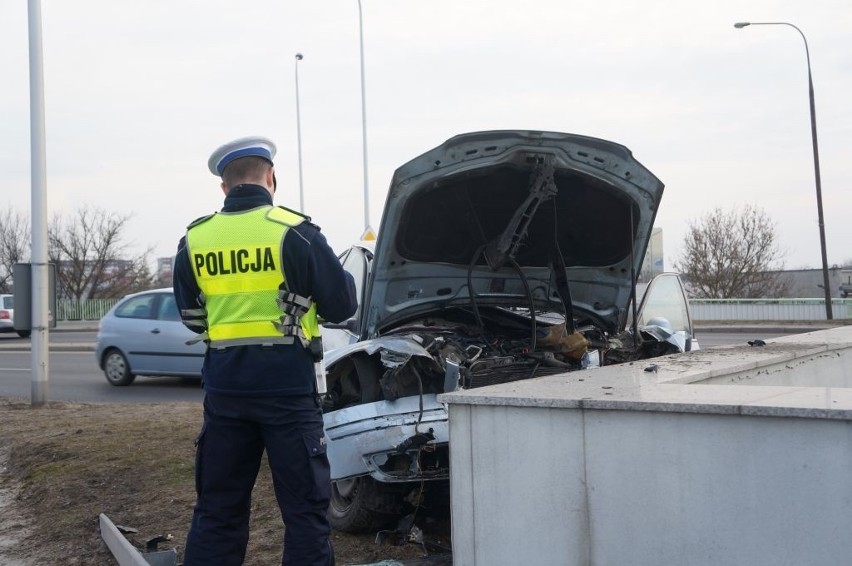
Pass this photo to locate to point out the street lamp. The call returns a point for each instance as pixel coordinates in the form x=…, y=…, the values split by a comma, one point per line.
x=367, y=228
x=38, y=197
x=740, y=25
x=299, y=136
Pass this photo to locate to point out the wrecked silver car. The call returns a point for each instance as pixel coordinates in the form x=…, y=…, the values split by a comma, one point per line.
x=501, y=256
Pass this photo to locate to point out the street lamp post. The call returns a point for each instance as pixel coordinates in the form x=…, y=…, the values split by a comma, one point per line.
x=367, y=227
x=38, y=197
x=299, y=136
x=827, y=288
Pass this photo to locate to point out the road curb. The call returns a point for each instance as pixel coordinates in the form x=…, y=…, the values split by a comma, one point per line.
x=71, y=347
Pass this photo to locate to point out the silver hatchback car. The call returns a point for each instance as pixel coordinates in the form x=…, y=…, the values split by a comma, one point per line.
x=143, y=335
x=7, y=316
x=7, y=313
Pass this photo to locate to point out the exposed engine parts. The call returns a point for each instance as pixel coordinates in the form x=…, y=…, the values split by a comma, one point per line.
x=453, y=353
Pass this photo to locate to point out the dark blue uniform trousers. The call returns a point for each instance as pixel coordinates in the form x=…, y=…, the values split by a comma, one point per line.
x=228, y=454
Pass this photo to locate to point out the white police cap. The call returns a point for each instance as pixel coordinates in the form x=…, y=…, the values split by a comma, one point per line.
x=243, y=147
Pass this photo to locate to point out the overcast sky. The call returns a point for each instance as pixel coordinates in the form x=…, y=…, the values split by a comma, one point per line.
x=138, y=94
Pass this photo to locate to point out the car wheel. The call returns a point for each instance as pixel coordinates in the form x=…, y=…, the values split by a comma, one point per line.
x=116, y=368
x=24, y=333
x=353, y=503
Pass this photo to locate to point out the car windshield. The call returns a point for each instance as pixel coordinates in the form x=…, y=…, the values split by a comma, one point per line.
x=664, y=298
x=355, y=263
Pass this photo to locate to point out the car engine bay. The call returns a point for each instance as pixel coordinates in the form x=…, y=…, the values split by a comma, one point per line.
x=451, y=350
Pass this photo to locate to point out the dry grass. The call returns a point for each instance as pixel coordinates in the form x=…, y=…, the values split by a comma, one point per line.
x=67, y=463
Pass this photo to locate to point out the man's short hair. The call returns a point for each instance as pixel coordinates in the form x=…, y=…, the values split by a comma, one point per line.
x=245, y=170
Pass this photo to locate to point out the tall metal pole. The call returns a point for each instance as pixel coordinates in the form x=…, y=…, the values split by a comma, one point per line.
x=299, y=136
x=364, y=123
x=817, y=178
x=38, y=196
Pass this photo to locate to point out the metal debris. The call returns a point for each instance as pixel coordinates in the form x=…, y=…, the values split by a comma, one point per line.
x=126, y=554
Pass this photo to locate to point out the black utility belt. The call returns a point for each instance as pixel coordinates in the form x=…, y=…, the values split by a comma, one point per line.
x=314, y=346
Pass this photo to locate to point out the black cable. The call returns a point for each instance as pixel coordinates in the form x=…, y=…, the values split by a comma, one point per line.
x=563, y=290
x=636, y=341
x=472, y=293
x=530, y=299
x=420, y=389
x=419, y=498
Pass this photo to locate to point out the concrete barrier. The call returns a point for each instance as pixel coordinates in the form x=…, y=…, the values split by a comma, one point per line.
x=726, y=456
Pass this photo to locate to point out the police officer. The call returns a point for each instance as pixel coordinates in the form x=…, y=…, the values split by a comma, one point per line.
x=251, y=280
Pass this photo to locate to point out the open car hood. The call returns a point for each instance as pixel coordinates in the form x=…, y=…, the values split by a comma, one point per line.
x=494, y=211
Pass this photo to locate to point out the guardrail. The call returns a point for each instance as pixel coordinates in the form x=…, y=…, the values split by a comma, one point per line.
x=91, y=309
x=768, y=309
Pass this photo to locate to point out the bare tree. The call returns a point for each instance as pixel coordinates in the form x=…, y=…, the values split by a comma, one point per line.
x=733, y=254
x=92, y=260
x=14, y=245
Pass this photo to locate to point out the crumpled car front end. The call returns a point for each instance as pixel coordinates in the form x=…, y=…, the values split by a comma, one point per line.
x=501, y=256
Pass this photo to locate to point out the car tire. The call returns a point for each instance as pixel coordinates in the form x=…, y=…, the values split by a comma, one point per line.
x=353, y=503
x=24, y=333
x=116, y=368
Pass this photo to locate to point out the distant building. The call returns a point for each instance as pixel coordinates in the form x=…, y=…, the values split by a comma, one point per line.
x=800, y=283
x=807, y=283
x=165, y=265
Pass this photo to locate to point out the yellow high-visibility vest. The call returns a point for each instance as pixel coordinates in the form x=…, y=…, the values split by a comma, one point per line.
x=236, y=258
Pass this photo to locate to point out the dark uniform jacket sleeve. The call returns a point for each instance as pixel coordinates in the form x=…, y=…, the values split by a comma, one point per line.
x=313, y=270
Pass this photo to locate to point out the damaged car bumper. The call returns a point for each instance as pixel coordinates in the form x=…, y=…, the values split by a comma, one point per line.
x=392, y=441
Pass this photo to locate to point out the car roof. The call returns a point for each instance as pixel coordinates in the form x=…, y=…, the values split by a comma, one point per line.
x=148, y=291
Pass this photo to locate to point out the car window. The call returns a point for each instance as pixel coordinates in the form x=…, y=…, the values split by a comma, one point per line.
x=356, y=263
x=665, y=298
x=136, y=307
x=8, y=302
x=168, y=308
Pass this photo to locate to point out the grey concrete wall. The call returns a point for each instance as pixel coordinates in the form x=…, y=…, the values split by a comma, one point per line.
x=510, y=503
x=619, y=466
x=574, y=487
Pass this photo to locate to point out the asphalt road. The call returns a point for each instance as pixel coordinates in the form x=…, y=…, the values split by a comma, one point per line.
x=75, y=376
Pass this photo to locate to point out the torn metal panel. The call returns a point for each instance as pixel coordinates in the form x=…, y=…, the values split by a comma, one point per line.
x=126, y=554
